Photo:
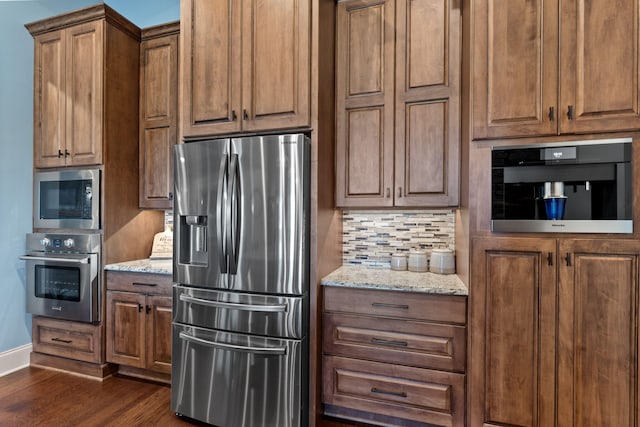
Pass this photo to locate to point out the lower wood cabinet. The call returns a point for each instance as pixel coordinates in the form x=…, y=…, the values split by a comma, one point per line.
x=554, y=332
x=71, y=340
x=394, y=358
x=139, y=323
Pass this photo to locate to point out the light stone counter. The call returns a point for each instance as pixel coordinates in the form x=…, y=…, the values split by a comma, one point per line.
x=387, y=279
x=152, y=266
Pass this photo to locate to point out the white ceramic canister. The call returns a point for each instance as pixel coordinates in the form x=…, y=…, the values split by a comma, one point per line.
x=442, y=261
x=418, y=261
x=399, y=261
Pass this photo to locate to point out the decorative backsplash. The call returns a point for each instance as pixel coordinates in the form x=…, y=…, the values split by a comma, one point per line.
x=370, y=237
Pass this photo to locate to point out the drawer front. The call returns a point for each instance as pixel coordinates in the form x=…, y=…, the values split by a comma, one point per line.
x=426, y=345
x=72, y=340
x=415, y=394
x=406, y=305
x=144, y=283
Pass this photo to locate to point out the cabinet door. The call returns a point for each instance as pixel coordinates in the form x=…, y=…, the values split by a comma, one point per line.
x=512, y=327
x=599, y=65
x=514, y=68
x=49, y=100
x=598, y=333
x=276, y=46
x=126, y=328
x=159, y=333
x=427, y=137
x=210, y=67
x=84, y=91
x=158, y=120
x=364, y=102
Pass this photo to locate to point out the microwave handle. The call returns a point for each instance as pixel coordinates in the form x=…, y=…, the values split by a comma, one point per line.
x=44, y=258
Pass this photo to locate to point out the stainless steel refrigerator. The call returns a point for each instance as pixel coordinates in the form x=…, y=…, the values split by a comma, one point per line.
x=241, y=273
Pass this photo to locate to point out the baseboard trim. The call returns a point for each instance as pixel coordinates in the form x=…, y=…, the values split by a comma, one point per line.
x=15, y=359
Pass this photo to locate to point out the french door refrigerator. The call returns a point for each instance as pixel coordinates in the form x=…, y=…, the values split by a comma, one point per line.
x=241, y=281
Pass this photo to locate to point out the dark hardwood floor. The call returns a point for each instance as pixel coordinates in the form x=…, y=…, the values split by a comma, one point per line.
x=37, y=397
x=41, y=397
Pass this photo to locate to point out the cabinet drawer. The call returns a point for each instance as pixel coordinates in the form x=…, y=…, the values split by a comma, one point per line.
x=72, y=340
x=426, y=345
x=406, y=305
x=144, y=283
x=416, y=394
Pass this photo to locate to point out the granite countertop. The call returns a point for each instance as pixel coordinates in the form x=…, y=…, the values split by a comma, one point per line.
x=153, y=266
x=387, y=279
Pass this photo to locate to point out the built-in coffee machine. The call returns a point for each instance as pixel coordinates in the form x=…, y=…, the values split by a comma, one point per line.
x=577, y=187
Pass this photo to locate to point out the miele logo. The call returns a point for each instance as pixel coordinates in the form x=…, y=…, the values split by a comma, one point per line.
x=58, y=308
x=558, y=224
x=557, y=154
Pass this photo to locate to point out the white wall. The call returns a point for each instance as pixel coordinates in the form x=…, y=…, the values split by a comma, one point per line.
x=16, y=143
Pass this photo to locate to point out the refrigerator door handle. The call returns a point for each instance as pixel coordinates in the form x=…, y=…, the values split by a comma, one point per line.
x=221, y=215
x=275, y=308
x=232, y=347
x=233, y=236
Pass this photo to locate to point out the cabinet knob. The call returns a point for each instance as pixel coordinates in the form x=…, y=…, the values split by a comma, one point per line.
x=234, y=116
x=570, y=112
x=399, y=192
x=245, y=115
x=147, y=309
x=66, y=152
x=59, y=153
x=551, y=114
x=139, y=307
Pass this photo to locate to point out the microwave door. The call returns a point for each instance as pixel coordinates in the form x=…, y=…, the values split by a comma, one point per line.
x=268, y=236
x=199, y=213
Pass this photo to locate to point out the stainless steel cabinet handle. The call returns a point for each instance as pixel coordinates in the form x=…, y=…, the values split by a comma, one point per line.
x=233, y=347
x=276, y=308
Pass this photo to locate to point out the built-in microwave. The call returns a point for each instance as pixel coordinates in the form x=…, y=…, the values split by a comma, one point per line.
x=68, y=199
x=571, y=187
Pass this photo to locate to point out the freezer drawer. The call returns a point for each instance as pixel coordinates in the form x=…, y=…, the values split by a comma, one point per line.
x=229, y=379
x=239, y=312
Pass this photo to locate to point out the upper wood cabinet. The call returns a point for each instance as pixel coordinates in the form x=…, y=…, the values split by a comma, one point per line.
x=68, y=96
x=158, y=114
x=554, y=332
x=540, y=68
x=398, y=103
x=245, y=66
x=84, y=62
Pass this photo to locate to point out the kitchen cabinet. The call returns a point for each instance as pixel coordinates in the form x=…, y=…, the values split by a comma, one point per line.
x=158, y=114
x=398, y=103
x=394, y=357
x=62, y=338
x=139, y=324
x=549, y=315
x=245, y=66
x=81, y=63
x=532, y=76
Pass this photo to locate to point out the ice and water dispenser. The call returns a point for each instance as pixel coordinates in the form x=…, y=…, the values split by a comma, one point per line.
x=193, y=240
x=577, y=187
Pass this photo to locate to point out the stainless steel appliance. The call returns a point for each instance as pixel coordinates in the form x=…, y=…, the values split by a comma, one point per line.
x=63, y=276
x=577, y=187
x=241, y=268
x=67, y=199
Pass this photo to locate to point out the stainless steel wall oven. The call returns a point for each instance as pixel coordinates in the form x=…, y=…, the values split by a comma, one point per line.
x=63, y=276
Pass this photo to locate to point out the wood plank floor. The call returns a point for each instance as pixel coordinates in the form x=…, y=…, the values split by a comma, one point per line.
x=41, y=397
x=37, y=397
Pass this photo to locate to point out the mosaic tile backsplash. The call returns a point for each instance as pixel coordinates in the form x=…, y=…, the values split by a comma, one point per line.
x=370, y=237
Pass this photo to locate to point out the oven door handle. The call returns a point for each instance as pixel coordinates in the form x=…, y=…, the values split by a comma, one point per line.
x=85, y=260
x=233, y=347
x=275, y=308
